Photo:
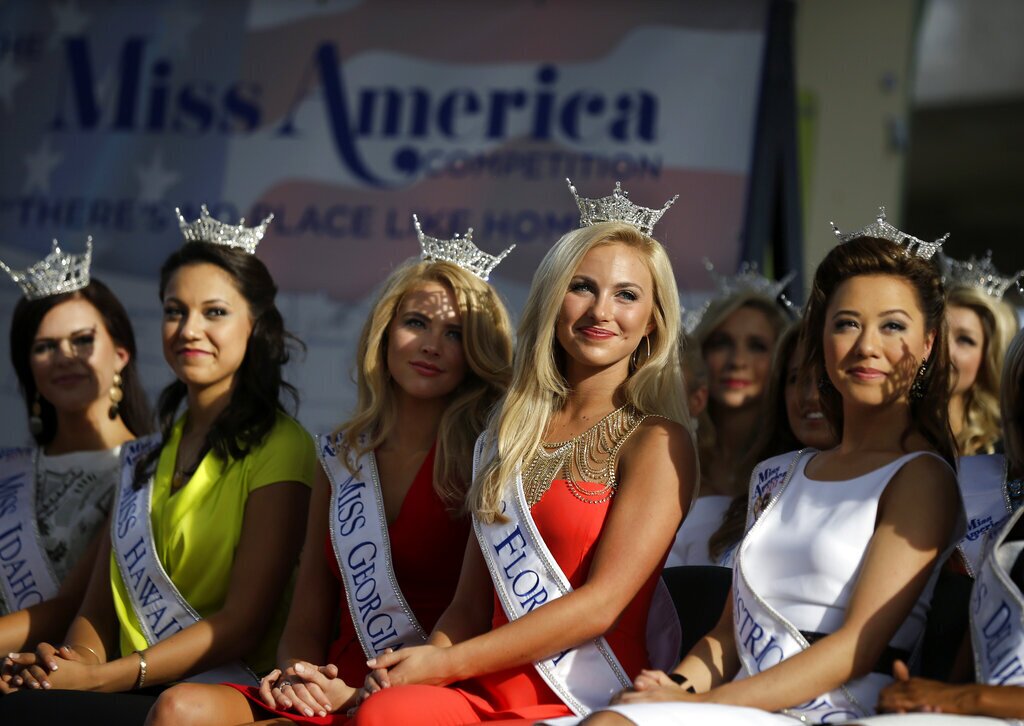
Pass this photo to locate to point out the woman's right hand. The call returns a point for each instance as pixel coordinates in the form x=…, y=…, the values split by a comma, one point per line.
x=30, y=670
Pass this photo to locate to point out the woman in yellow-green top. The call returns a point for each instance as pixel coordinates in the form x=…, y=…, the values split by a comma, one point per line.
x=205, y=529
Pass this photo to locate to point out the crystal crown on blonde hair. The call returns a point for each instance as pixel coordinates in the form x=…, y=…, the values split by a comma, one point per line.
x=618, y=208
x=458, y=250
x=979, y=273
x=57, y=273
x=209, y=229
x=748, y=279
x=883, y=230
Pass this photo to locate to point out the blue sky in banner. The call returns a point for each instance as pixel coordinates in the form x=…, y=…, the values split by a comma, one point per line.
x=344, y=118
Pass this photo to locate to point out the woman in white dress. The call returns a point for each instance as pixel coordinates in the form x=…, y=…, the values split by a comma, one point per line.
x=831, y=583
x=73, y=351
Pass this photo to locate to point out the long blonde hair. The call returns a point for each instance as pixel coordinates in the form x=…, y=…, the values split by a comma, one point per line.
x=1012, y=398
x=981, y=429
x=717, y=313
x=539, y=388
x=487, y=345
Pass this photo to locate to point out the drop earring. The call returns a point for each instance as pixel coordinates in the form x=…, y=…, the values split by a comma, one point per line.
x=116, y=396
x=35, y=420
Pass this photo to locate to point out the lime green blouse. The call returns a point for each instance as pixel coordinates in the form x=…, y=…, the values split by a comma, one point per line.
x=197, y=528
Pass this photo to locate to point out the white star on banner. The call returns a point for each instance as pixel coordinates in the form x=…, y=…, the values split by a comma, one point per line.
x=70, y=20
x=40, y=164
x=155, y=179
x=10, y=78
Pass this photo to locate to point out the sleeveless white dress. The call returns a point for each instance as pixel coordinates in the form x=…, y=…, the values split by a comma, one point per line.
x=803, y=559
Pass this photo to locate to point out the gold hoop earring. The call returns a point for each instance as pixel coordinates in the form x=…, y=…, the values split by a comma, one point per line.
x=116, y=396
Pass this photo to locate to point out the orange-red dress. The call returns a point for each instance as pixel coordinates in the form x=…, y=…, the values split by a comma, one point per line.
x=427, y=547
x=570, y=528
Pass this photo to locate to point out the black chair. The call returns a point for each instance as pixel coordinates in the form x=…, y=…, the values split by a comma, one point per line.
x=699, y=594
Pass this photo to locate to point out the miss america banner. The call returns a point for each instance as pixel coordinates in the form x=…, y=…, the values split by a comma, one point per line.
x=343, y=117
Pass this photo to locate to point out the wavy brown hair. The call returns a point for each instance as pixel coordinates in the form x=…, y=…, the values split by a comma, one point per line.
x=929, y=414
x=487, y=345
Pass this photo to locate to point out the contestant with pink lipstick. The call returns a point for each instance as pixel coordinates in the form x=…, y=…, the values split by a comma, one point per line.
x=193, y=581
x=73, y=350
x=831, y=583
x=736, y=336
x=580, y=481
x=387, y=526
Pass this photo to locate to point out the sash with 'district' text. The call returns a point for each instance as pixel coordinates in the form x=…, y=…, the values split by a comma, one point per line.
x=526, y=576
x=26, y=575
x=764, y=638
x=159, y=607
x=359, y=534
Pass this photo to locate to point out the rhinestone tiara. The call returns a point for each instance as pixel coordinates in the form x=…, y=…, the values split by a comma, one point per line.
x=883, y=230
x=209, y=229
x=979, y=273
x=57, y=273
x=748, y=279
x=459, y=250
x=618, y=208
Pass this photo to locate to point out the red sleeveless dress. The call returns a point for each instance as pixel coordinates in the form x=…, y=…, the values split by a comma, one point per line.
x=427, y=547
x=571, y=529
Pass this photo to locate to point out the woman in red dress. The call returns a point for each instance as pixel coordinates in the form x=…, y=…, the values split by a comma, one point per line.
x=580, y=482
x=433, y=357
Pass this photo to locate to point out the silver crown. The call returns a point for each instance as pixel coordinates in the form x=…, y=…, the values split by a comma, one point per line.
x=618, y=208
x=692, y=318
x=57, y=273
x=209, y=229
x=883, y=230
x=979, y=273
x=749, y=279
x=459, y=250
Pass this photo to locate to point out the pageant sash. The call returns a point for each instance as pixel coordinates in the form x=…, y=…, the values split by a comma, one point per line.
x=359, y=534
x=159, y=607
x=26, y=575
x=997, y=613
x=526, y=575
x=764, y=638
x=982, y=482
x=766, y=480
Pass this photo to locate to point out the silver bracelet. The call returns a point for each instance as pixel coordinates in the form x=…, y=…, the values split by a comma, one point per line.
x=141, y=681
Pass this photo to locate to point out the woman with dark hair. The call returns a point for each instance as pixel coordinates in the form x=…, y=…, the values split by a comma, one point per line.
x=831, y=583
x=73, y=350
x=207, y=521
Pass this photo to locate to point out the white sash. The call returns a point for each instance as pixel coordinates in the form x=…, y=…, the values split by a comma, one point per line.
x=526, y=575
x=158, y=606
x=359, y=533
x=982, y=482
x=997, y=614
x=26, y=575
x=764, y=638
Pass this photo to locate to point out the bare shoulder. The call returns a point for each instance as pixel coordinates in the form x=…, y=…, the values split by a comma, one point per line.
x=659, y=445
x=923, y=483
x=658, y=435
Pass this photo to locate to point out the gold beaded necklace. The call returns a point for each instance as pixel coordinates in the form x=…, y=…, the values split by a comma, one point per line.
x=592, y=455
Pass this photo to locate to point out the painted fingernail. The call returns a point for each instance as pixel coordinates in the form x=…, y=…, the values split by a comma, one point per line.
x=46, y=684
x=299, y=668
x=53, y=666
x=308, y=711
x=372, y=662
x=321, y=713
